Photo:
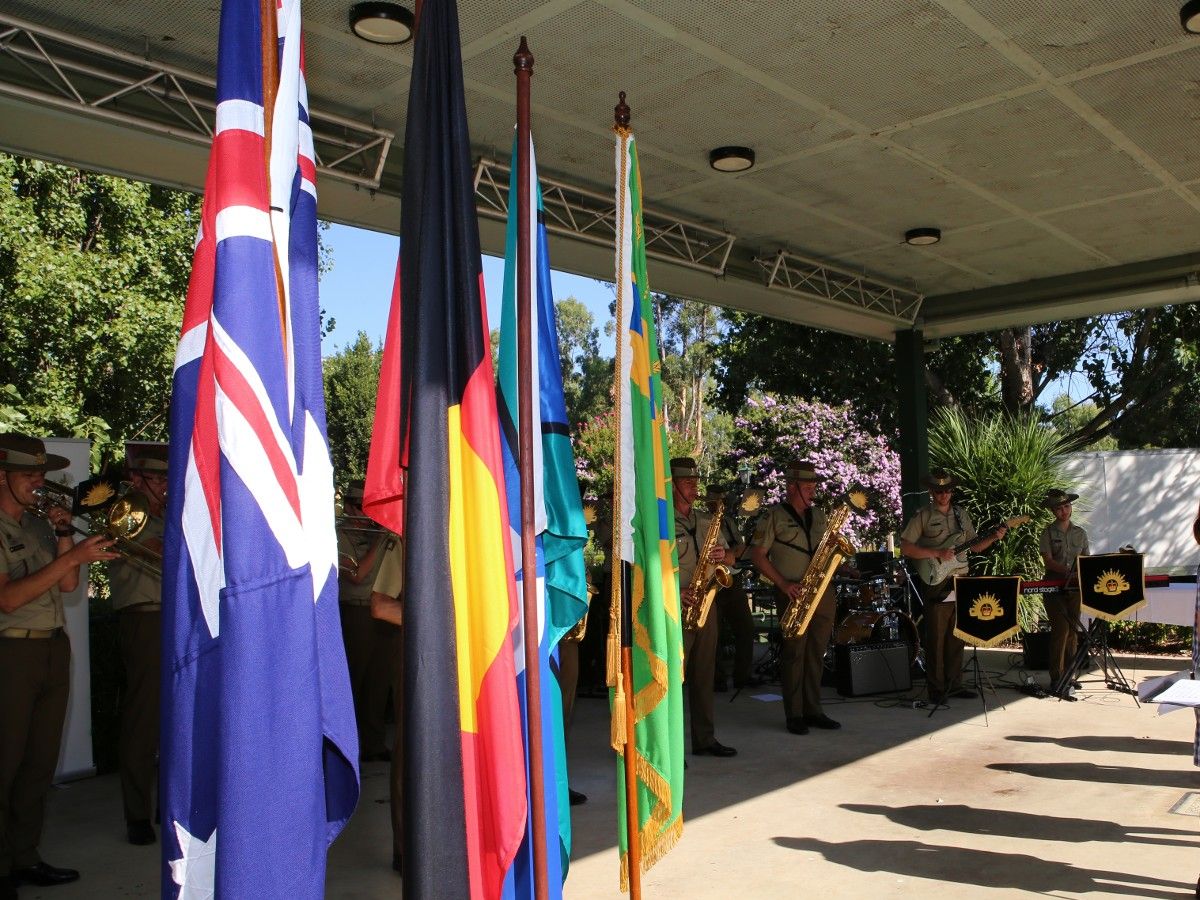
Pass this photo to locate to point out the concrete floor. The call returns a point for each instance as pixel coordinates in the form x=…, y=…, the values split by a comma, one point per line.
x=1041, y=798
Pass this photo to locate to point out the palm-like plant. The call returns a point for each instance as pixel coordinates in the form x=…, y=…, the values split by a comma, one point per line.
x=1005, y=466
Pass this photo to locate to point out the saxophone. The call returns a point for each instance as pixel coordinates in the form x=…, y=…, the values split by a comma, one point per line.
x=708, y=576
x=834, y=547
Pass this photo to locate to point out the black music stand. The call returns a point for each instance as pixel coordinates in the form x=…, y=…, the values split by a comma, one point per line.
x=985, y=616
x=1093, y=640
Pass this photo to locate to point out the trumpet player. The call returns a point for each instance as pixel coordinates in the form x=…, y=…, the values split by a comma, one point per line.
x=39, y=560
x=137, y=599
x=692, y=525
x=782, y=548
x=361, y=545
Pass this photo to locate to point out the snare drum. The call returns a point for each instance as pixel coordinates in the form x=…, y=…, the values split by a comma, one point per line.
x=877, y=626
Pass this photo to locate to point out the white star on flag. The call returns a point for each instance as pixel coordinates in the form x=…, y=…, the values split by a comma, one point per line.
x=195, y=872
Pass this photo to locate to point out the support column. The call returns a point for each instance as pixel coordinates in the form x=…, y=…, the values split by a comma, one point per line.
x=914, y=416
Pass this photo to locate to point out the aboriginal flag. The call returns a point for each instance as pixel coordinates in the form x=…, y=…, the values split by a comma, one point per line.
x=464, y=772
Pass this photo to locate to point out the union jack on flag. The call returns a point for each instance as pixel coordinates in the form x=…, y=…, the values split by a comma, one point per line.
x=259, y=751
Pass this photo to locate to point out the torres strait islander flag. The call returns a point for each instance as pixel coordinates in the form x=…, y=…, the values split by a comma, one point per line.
x=560, y=530
x=644, y=536
x=464, y=784
x=259, y=751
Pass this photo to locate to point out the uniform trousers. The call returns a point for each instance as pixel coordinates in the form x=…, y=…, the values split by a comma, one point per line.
x=802, y=659
x=1063, y=610
x=943, y=651
x=368, y=649
x=699, y=660
x=139, y=632
x=734, y=608
x=568, y=678
x=35, y=680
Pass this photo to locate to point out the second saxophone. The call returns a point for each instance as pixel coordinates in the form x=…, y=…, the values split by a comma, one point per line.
x=709, y=577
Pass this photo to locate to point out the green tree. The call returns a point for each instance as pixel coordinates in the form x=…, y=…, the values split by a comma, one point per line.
x=93, y=274
x=691, y=335
x=587, y=376
x=1070, y=418
x=792, y=360
x=1005, y=466
x=351, y=377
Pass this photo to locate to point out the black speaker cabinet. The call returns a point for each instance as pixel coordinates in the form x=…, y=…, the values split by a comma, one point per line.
x=872, y=668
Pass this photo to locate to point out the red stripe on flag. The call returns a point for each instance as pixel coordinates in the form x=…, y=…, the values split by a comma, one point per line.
x=496, y=825
x=206, y=448
x=235, y=386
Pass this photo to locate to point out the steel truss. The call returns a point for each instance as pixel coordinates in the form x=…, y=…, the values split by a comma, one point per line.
x=82, y=76
x=817, y=280
x=591, y=216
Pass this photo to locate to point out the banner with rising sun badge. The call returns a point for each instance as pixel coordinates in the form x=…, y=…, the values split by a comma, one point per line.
x=987, y=609
x=1112, y=585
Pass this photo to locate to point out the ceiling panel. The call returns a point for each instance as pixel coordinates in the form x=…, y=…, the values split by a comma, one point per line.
x=1015, y=252
x=1069, y=35
x=1030, y=151
x=1135, y=228
x=1156, y=104
x=859, y=180
x=879, y=63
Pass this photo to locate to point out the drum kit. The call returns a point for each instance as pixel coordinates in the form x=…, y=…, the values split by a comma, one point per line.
x=876, y=607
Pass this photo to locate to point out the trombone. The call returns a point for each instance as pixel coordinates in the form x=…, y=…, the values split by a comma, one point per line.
x=123, y=520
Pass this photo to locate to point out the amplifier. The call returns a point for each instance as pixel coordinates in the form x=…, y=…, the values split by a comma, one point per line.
x=872, y=668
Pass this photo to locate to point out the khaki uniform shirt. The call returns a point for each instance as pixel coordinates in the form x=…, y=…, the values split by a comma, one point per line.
x=389, y=581
x=690, y=532
x=137, y=583
x=1064, y=547
x=731, y=536
x=26, y=546
x=931, y=528
x=358, y=544
x=789, y=545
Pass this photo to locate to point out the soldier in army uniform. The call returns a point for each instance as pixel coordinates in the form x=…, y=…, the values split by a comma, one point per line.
x=39, y=561
x=1061, y=544
x=732, y=606
x=368, y=640
x=699, y=644
x=782, y=548
x=136, y=586
x=387, y=606
x=932, y=534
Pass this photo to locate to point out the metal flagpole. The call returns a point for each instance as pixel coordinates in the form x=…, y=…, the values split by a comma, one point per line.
x=523, y=67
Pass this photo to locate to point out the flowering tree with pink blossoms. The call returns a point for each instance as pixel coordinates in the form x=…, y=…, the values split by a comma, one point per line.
x=772, y=431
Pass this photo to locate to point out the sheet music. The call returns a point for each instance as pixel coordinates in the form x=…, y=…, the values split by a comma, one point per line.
x=1184, y=692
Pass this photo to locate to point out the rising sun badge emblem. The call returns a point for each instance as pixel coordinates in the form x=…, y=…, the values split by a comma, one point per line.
x=987, y=607
x=1110, y=583
x=97, y=495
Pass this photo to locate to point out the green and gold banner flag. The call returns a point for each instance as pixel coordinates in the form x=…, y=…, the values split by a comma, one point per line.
x=645, y=557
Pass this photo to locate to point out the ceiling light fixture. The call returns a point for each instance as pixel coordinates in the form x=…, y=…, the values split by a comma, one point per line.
x=381, y=23
x=731, y=159
x=922, y=237
x=1189, y=16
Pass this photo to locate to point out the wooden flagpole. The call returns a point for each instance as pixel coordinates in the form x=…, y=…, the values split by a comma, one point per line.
x=523, y=68
x=633, y=836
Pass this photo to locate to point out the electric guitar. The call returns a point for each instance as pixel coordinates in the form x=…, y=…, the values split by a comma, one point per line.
x=934, y=571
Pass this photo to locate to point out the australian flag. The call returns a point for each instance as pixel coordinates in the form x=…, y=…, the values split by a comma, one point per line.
x=259, y=751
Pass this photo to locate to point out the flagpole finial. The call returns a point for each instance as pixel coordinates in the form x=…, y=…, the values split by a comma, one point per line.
x=523, y=58
x=621, y=112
